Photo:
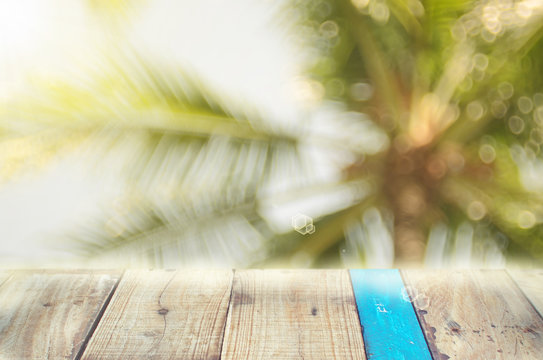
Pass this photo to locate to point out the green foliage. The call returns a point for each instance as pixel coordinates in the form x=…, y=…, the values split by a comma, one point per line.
x=455, y=86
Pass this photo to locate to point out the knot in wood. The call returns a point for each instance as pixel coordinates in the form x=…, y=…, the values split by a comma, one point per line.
x=163, y=311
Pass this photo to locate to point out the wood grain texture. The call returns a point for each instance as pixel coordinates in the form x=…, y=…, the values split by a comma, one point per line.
x=298, y=314
x=49, y=314
x=476, y=315
x=164, y=315
x=391, y=328
x=531, y=283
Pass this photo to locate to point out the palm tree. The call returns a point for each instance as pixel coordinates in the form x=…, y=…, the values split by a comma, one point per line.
x=446, y=91
x=454, y=86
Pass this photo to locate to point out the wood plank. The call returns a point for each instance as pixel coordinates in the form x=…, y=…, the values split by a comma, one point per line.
x=531, y=284
x=298, y=314
x=50, y=314
x=391, y=328
x=164, y=315
x=476, y=315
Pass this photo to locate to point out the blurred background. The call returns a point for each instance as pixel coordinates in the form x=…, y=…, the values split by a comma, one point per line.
x=292, y=133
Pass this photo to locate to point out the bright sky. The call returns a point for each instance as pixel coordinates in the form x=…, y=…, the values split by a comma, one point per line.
x=235, y=45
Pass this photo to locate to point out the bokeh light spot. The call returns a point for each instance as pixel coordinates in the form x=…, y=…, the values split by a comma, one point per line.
x=475, y=110
x=538, y=115
x=526, y=219
x=480, y=61
x=498, y=109
x=329, y=29
x=516, y=124
x=487, y=153
x=360, y=4
x=506, y=90
x=536, y=135
x=476, y=210
x=379, y=11
x=525, y=104
x=361, y=91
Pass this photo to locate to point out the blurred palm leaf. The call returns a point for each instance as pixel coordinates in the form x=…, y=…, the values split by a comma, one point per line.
x=194, y=169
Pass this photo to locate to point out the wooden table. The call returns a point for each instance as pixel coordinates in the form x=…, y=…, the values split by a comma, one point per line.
x=271, y=314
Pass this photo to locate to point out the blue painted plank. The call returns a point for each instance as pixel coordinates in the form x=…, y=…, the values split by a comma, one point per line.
x=390, y=326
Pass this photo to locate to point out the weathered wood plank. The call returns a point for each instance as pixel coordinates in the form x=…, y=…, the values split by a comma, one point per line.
x=298, y=314
x=476, y=315
x=531, y=283
x=164, y=315
x=49, y=314
x=391, y=328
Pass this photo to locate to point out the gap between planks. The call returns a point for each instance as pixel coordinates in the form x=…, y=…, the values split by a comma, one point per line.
x=227, y=312
x=530, y=283
x=292, y=314
x=299, y=287
x=476, y=314
x=164, y=314
x=97, y=319
x=50, y=309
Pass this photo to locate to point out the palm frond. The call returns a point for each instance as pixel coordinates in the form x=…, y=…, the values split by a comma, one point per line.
x=193, y=162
